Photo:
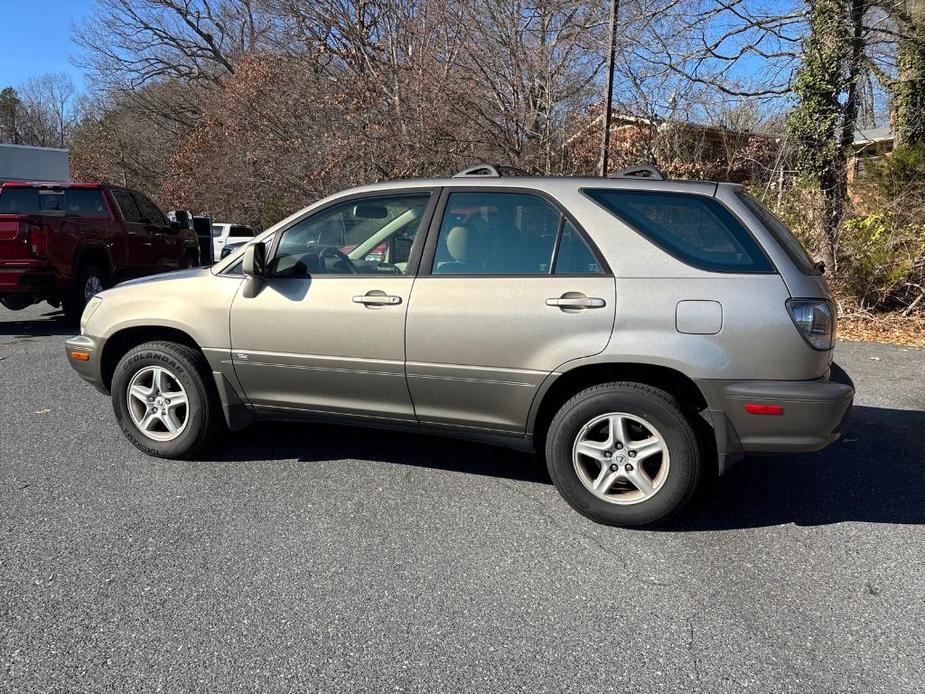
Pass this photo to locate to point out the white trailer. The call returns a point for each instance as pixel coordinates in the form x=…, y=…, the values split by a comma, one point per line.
x=24, y=163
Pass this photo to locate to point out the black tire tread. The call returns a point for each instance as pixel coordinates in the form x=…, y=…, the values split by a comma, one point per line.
x=619, y=387
x=73, y=302
x=213, y=418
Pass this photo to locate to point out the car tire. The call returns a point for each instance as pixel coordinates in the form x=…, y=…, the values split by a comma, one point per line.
x=187, y=262
x=598, y=474
x=90, y=280
x=148, y=376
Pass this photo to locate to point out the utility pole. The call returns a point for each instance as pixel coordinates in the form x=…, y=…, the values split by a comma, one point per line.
x=608, y=97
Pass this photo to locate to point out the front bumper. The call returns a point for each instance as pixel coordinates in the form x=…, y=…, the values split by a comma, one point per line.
x=89, y=369
x=812, y=414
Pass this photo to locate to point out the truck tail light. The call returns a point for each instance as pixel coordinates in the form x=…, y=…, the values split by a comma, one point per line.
x=815, y=320
x=36, y=236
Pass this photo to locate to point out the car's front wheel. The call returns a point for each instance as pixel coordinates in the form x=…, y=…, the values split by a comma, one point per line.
x=165, y=401
x=624, y=454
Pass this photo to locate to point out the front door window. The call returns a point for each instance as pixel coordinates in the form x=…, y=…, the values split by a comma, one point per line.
x=369, y=236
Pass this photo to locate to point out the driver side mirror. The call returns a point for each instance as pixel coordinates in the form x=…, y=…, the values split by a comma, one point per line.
x=180, y=219
x=255, y=260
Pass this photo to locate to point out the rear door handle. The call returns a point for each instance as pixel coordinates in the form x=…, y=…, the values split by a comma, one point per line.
x=377, y=298
x=577, y=302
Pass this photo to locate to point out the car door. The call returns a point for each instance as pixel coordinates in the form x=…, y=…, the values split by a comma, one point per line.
x=143, y=253
x=325, y=330
x=164, y=238
x=509, y=290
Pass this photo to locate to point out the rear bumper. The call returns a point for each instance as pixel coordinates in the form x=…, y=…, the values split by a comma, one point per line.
x=812, y=414
x=25, y=281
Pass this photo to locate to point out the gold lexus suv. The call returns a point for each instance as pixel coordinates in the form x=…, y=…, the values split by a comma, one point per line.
x=635, y=332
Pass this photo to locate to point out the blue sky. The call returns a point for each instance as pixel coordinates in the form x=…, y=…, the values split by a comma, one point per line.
x=36, y=38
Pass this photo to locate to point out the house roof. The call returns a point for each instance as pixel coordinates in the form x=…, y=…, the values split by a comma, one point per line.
x=623, y=119
x=869, y=136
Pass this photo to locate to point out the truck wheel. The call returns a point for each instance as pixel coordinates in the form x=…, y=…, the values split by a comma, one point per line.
x=165, y=400
x=187, y=262
x=91, y=280
x=624, y=454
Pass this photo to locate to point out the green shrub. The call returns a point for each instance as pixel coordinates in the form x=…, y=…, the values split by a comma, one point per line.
x=882, y=260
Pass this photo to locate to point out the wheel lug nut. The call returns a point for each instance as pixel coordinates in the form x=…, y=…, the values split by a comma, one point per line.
x=619, y=446
x=607, y=454
x=632, y=454
x=629, y=467
x=614, y=468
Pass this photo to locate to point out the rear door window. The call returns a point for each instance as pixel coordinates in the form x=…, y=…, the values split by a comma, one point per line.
x=150, y=214
x=241, y=232
x=84, y=202
x=695, y=229
x=574, y=256
x=496, y=234
x=127, y=206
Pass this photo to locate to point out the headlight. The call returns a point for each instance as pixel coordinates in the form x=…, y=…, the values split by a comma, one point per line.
x=815, y=319
x=89, y=310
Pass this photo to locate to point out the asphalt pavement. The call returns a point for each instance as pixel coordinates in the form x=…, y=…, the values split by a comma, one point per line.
x=300, y=558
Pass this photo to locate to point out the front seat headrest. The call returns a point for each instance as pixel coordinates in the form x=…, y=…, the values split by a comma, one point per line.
x=457, y=244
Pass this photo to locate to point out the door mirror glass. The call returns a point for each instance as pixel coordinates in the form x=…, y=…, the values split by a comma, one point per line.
x=255, y=260
x=180, y=219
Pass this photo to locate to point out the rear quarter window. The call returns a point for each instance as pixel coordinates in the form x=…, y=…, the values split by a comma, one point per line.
x=791, y=245
x=696, y=229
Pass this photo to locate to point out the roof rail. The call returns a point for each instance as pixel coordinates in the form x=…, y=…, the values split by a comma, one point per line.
x=490, y=171
x=649, y=172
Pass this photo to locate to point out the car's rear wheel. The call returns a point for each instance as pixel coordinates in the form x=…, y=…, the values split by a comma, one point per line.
x=165, y=400
x=624, y=454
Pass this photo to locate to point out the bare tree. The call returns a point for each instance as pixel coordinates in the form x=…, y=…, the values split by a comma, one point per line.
x=49, y=103
x=129, y=43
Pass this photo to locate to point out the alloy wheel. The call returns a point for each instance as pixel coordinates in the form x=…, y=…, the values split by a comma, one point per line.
x=157, y=403
x=92, y=287
x=621, y=458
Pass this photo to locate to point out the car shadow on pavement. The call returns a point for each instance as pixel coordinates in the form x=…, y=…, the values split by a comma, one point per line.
x=875, y=473
x=329, y=442
x=52, y=323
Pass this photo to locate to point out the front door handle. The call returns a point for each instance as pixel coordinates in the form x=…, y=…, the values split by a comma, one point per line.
x=575, y=300
x=377, y=298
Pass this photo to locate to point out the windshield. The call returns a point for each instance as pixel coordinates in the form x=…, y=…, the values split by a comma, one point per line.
x=782, y=234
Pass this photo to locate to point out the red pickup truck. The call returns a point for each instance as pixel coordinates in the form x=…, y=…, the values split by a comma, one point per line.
x=63, y=243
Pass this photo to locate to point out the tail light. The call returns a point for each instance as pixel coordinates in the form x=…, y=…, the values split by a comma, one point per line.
x=36, y=236
x=815, y=320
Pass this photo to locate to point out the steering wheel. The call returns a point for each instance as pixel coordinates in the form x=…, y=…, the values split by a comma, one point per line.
x=332, y=251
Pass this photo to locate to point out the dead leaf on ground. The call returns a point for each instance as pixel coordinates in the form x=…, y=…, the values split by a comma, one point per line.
x=45, y=411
